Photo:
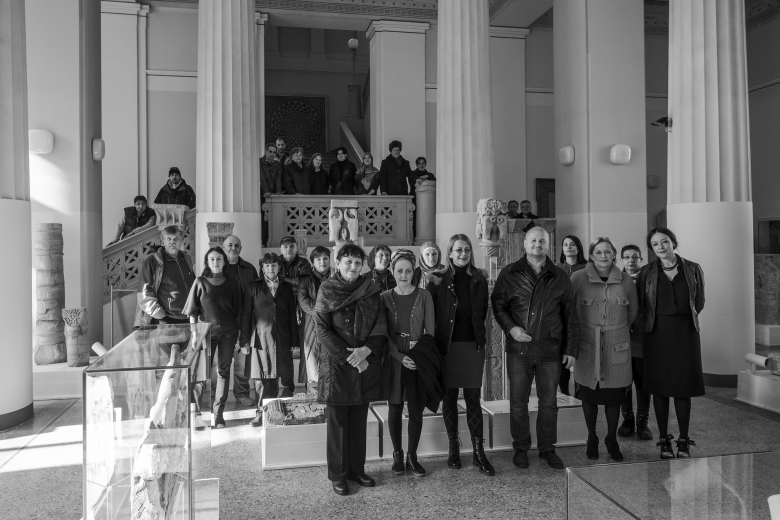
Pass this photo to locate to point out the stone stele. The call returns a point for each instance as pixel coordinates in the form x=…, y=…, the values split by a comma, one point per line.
x=767, y=288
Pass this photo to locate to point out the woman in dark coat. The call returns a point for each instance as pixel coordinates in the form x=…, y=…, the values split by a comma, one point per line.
x=460, y=297
x=270, y=329
x=379, y=263
x=216, y=299
x=671, y=296
x=295, y=177
x=342, y=174
x=395, y=173
x=351, y=326
x=318, y=177
x=308, y=287
x=572, y=260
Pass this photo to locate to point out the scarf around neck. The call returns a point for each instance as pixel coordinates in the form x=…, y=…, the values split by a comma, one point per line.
x=424, y=268
x=336, y=293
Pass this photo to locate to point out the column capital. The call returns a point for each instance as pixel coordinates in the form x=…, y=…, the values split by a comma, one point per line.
x=395, y=26
x=261, y=18
x=123, y=7
x=514, y=33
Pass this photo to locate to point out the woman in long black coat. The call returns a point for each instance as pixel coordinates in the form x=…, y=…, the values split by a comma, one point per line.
x=395, y=173
x=342, y=174
x=308, y=288
x=351, y=325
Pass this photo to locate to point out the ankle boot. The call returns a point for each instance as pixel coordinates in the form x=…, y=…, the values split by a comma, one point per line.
x=666, y=446
x=414, y=466
x=453, y=460
x=642, y=430
x=627, y=428
x=480, y=460
x=592, y=451
x=614, y=449
x=398, y=463
x=683, y=450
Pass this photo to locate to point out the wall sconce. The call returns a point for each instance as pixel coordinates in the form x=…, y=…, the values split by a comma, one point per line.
x=653, y=181
x=566, y=155
x=98, y=149
x=620, y=154
x=41, y=141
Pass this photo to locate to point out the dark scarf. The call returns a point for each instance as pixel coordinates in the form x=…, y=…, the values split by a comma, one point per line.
x=336, y=292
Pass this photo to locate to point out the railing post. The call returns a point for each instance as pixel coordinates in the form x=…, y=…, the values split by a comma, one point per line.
x=426, y=213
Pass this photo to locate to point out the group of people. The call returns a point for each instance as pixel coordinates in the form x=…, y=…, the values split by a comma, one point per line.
x=412, y=333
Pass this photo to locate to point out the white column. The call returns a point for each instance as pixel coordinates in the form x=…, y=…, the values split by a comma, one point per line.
x=261, y=22
x=15, y=312
x=227, y=180
x=507, y=79
x=600, y=102
x=709, y=197
x=397, y=85
x=464, y=122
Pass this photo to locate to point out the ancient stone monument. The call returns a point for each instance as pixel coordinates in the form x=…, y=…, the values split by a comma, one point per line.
x=50, y=294
x=301, y=409
x=343, y=223
x=170, y=215
x=300, y=240
x=76, y=336
x=218, y=232
x=767, y=289
x=491, y=230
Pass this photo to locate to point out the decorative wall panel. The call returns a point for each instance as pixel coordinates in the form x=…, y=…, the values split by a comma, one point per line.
x=302, y=121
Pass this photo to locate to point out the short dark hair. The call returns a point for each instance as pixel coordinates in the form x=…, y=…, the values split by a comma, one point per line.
x=269, y=145
x=318, y=252
x=206, y=269
x=296, y=150
x=580, y=252
x=270, y=258
x=139, y=197
x=280, y=138
x=664, y=230
x=372, y=255
x=342, y=149
x=417, y=161
x=173, y=231
x=351, y=250
x=528, y=201
x=511, y=201
x=172, y=170
x=395, y=143
x=630, y=247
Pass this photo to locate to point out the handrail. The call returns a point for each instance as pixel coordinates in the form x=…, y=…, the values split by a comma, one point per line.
x=366, y=94
x=354, y=150
x=122, y=261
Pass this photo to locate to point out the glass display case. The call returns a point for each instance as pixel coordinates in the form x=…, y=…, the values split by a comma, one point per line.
x=143, y=429
x=728, y=486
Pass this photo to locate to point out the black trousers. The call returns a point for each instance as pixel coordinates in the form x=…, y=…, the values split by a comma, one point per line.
x=346, y=441
x=564, y=382
x=223, y=345
x=642, y=398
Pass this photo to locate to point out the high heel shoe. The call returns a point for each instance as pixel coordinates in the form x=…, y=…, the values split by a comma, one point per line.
x=683, y=447
x=592, y=451
x=666, y=446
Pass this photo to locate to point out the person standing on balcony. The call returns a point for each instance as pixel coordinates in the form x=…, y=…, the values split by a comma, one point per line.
x=282, y=155
x=244, y=273
x=367, y=177
x=511, y=209
x=296, y=179
x=308, y=287
x=270, y=181
x=166, y=279
x=176, y=190
x=342, y=174
x=395, y=174
x=137, y=218
x=318, y=177
x=378, y=262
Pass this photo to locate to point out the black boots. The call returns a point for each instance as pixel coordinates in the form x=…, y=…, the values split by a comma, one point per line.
x=257, y=421
x=642, y=431
x=414, y=466
x=480, y=460
x=627, y=428
x=683, y=450
x=592, y=451
x=666, y=446
x=453, y=460
x=398, y=463
x=614, y=449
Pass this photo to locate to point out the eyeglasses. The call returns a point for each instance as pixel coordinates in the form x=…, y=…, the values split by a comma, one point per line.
x=461, y=251
x=632, y=257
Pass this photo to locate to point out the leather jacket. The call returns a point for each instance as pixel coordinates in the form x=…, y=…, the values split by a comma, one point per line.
x=647, y=288
x=543, y=306
x=442, y=289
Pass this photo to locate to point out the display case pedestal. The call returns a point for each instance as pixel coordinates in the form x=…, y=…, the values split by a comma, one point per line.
x=760, y=388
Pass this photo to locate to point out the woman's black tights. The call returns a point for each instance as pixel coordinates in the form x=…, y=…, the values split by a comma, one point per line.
x=591, y=412
x=449, y=409
x=395, y=425
x=682, y=407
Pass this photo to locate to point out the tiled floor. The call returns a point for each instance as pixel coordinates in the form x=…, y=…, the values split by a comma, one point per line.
x=41, y=477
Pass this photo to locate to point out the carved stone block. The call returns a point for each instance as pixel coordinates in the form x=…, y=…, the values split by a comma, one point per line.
x=76, y=336
x=343, y=222
x=218, y=232
x=300, y=240
x=767, y=289
x=491, y=226
x=170, y=215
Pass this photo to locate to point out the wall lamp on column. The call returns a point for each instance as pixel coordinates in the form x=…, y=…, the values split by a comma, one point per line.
x=665, y=122
x=620, y=154
x=98, y=149
x=41, y=141
x=566, y=155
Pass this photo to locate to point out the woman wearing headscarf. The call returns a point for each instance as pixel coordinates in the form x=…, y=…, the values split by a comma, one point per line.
x=430, y=265
x=379, y=263
x=367, y=177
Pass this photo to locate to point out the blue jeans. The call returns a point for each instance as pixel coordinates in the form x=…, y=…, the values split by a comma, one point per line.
x=521, y=372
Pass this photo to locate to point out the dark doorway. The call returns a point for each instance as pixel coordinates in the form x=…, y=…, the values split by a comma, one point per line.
x=545, y=198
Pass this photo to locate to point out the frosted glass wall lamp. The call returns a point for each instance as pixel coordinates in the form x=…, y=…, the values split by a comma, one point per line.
x=41, y=141
x=620, y=154
x=566, y=155
x=98, y=149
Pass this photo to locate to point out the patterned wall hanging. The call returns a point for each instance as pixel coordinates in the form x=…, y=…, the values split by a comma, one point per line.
x=302, y=121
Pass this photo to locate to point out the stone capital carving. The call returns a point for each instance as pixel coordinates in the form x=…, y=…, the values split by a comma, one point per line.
x=491, y=222
x=426, y=186
x=218, y=232
x=343, y=222
x=170, y=215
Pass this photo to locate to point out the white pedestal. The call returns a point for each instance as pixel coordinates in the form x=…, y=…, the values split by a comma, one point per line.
x=305, y=445
x=433, y=440
x=760, y=388
x=571, y=423
x=767, y=335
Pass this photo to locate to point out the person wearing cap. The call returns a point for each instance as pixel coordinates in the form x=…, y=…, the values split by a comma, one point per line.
x=430, y=265
x=270, y=330
x=292, y=268
x=176, y=190
x=137, y=218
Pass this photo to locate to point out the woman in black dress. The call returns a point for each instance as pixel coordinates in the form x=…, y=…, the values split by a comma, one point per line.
x=460, y=297
x=671, y=296
x=572, y=260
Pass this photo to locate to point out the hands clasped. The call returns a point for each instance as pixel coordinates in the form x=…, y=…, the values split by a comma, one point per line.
x=358, y=358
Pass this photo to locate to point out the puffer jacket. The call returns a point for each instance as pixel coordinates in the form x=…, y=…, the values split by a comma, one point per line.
x=647, y=288
x=543, y=306
x=442, y=289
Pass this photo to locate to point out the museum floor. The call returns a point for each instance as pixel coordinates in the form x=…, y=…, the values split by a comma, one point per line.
x=41, y=477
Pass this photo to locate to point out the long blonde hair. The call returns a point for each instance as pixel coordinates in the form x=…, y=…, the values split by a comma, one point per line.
x=451, y=244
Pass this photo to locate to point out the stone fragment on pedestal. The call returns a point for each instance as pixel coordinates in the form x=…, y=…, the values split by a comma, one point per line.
x=767, y=287
x=218, y=232
x=343, y=223
x=491, y=228
x=170, y=215
x=301, y=242
x=76, y=336
x=50, y=293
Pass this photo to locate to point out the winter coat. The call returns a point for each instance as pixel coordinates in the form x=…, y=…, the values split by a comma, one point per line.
x=292, y=271
x=268, y=324
x=425, y=386
x=571, y=269
x=319, y=181
x=647, y=289
x=349, y=316
x=342, y=182
x=245, y=276
x=637, y=327
x=270, y=177
x=152, y=303
x=384, y=280
x=442, y=289
x=605, y=311
x=182, y=194
x=308, y=287
x=543, y=306
x=132, y=221
x=295, y=179
x=393, y=176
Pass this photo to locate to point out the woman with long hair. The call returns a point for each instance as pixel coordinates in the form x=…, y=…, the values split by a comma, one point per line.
x=460, y=297
x=367, y=176
x=342, y=174
x=572, y=259
x=318, y=177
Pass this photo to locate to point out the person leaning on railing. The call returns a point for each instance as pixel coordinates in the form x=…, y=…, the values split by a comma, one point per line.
x=137, y=218
x=318, y=177
x=395, y=174
x=367, y=177
x=342, y=174
x=296, y=178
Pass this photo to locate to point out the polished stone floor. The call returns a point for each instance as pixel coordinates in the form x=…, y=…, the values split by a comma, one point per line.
x=41, y=477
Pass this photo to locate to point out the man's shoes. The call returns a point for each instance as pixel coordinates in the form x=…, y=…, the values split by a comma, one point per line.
x=245, y=400
x=627, y=428
x=340, y=487
x=642, y=431
x=553, y=460
x=364, y=480
x=219, y=422
x=592, y=451
x=520, y=458
x=257, y=421
x=414, y=466
x=398, y=463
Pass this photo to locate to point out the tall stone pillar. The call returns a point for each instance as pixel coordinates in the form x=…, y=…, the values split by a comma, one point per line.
x=709, y=192
x=600, y=102
x=397, y=85
x=227, y=182
x=261, y=21
x=464, y=122
x=15, y=312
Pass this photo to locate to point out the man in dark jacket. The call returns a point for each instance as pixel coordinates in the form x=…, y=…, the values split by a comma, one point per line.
x=137, y=218
x=308, y=287
x=244, y=273
x=533, y=305
x=270, y=181
x=395, y=174
x=176, y=190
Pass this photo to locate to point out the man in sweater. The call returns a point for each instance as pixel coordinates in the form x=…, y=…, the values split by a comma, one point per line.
x=176, y=191
x=244, y=273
